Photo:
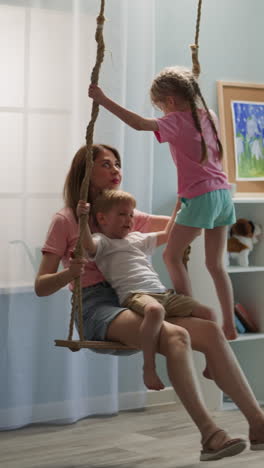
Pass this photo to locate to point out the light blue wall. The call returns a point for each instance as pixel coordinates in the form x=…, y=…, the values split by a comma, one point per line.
x=231, y=49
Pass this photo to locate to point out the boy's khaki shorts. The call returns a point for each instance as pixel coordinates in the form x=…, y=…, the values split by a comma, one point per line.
x=175, y=305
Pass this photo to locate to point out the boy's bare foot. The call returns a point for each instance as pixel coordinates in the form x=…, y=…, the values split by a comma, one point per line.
x=152, y=380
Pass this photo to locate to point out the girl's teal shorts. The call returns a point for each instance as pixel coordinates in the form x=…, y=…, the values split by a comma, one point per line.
x=210, y=210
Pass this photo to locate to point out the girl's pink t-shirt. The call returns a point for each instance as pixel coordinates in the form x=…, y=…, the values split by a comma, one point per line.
x=194, y=178
x=63, y=234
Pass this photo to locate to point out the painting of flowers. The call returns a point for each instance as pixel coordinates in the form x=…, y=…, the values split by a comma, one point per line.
x=248, y=126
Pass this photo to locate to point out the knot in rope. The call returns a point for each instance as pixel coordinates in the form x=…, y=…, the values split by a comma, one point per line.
x=196, y=69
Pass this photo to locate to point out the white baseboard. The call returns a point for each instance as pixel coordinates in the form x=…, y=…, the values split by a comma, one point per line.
x=163, y=397
x=70, y=411
x=137, y=400
x=67, y=412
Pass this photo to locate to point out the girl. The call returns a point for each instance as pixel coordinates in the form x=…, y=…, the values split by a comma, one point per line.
x=204, y=197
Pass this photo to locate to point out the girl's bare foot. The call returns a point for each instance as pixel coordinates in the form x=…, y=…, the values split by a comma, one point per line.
x=230, y=332
x=151, y=379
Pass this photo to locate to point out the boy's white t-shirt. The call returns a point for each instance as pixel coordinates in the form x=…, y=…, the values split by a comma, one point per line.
x=125, y=264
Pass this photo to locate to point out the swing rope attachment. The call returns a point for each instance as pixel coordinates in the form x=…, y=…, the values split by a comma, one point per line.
x=76, y=302
x=78, y=252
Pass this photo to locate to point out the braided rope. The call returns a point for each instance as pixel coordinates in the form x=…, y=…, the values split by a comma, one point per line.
x=78, y=252
x=196, y=69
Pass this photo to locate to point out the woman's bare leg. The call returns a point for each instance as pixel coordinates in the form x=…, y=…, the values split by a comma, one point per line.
x=174, y=344
x=215, y=247
x=208, y=338
x=180, y=238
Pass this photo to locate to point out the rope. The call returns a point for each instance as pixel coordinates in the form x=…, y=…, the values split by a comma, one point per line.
x=78, y=252
x=196, y=69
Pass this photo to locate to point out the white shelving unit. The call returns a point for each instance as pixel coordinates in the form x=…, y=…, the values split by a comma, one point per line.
x=248, y=285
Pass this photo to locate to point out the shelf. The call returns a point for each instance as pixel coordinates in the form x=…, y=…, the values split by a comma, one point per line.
x=239, y=269
x=248, y=198
x=231, y=406
x=249, y=337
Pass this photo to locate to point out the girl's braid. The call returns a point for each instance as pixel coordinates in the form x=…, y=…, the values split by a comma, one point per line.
x=196, y=119
x=199, y=94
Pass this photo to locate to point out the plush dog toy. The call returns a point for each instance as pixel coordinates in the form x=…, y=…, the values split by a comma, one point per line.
x=244, y=234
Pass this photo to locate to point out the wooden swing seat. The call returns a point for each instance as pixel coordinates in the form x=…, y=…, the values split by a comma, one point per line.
x=76, y=345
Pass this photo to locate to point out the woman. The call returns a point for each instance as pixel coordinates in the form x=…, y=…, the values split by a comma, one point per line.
x=104, y=319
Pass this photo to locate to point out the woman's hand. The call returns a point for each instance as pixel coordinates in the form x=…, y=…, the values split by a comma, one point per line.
x=83, y=208
x=96, y=94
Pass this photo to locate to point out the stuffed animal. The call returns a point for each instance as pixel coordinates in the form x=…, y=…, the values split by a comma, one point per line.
x=244, y=234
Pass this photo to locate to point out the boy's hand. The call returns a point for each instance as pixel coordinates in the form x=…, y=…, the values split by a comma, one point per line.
x=96, y=94
x=77, y=266
x=83, y=208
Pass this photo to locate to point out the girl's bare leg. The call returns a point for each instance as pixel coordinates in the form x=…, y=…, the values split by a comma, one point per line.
x=208, y=338
x=180, y=238
x=154, y=315
x=205, y=313
x=174, y=344
x=215, y=247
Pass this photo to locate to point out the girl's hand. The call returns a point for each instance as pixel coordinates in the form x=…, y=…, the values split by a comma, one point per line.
x=230, y=332
x=77, y=266
x=83, y=208
x=96, y=94
x=178, y=205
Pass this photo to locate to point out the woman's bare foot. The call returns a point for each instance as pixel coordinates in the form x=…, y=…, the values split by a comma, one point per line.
x=151, y=379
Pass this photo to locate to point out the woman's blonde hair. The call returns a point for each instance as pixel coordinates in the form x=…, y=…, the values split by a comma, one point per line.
x=110, y=198
x=75, y=176
x=180, y=81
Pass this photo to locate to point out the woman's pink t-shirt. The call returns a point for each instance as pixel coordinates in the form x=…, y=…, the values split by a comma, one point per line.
x=63, y=234
x=194, y=178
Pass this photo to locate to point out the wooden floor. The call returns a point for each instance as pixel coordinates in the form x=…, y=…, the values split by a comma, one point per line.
x=158, y=437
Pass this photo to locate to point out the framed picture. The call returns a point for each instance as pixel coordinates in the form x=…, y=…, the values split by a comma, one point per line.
x=241, y=113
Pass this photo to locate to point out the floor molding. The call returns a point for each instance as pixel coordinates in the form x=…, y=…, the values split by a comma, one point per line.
x=161, y=398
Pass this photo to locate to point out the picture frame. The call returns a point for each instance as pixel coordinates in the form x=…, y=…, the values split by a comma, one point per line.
x=241, y=151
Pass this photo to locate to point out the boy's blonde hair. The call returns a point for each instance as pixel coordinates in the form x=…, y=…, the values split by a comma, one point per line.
x=110, y=198
x=180, y=81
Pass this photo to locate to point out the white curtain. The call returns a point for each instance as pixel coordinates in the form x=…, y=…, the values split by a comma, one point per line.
x=47, y=51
